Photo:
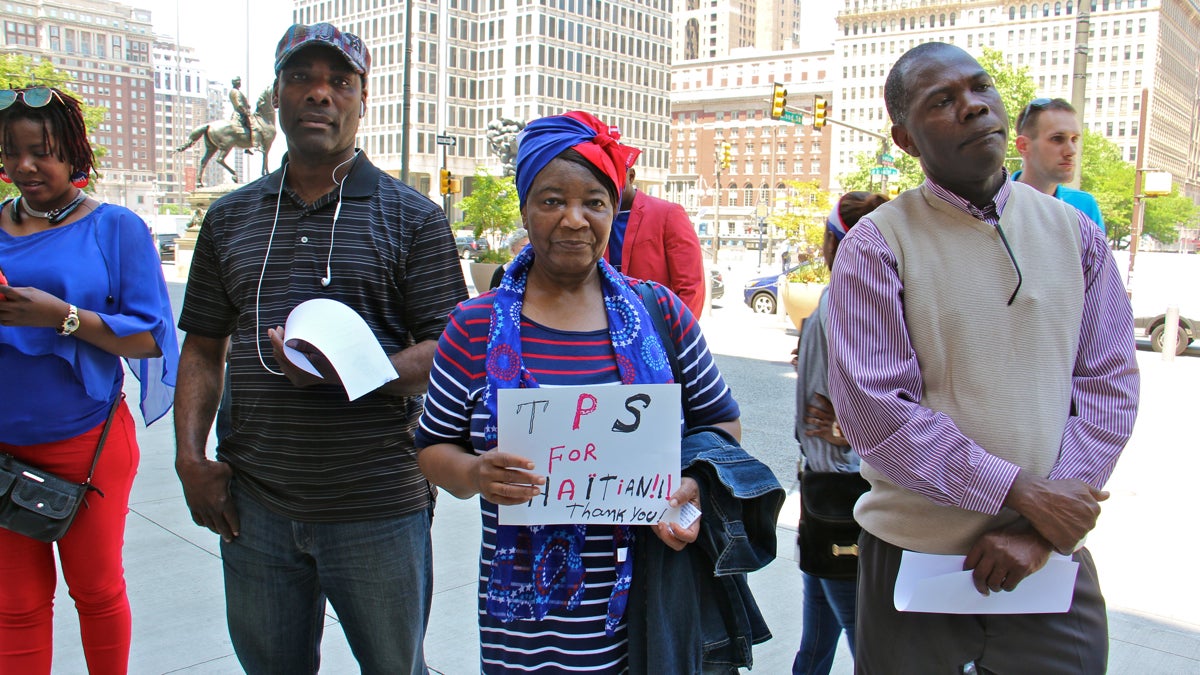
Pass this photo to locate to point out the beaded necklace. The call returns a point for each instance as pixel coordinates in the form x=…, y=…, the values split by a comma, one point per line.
x=55, y=216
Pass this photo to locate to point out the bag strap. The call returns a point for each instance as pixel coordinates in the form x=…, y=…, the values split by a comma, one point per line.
x=664, y=335
x=112, y=412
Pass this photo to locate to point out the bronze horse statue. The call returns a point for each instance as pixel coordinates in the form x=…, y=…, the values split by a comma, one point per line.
x=223, y=136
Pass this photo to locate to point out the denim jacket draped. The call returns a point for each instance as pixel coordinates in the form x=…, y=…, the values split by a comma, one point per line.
x=694, y=607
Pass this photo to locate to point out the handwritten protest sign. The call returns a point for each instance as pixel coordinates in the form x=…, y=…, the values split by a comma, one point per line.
x=610, y=454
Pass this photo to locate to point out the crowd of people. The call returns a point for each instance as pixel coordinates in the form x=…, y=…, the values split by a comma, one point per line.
x=998, y=456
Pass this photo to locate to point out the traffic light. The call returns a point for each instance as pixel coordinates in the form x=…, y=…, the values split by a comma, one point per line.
x=820, y=109
x=778, y=101
x=455, y=186
x=446, y=181
x=726, y=155
x=893, y=190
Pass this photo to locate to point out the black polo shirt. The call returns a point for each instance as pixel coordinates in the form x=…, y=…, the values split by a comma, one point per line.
x=308, y=453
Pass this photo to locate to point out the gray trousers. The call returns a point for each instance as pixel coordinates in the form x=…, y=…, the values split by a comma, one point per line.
x=891, y=642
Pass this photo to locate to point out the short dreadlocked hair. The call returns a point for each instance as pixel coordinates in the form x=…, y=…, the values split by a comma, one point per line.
x=62, y=120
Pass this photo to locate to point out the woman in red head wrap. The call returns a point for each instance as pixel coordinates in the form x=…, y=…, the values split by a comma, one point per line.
x=555, y=595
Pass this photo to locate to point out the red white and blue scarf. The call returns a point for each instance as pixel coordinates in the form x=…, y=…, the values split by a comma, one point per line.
x=537, y=568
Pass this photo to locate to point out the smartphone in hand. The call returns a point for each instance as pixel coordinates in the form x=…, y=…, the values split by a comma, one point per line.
x=3, y=282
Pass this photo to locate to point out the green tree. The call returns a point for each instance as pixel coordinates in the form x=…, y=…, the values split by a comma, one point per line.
x=492, y=206
x=1016, y=89
x=1109, y=178
x=909, y=167
x=802, y=218
x=174, y=209
x=1166, y=215
x=17, y=70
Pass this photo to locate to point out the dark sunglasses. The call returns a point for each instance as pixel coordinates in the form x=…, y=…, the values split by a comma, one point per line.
x=33, y=97
x=1035, y=104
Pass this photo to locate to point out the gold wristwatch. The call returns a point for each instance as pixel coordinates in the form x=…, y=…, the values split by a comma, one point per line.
x=71, y=323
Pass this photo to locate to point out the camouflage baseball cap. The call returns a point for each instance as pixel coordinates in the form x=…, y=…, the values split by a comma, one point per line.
x=348, y=45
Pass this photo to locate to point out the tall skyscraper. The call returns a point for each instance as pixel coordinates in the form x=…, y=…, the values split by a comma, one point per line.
x=475, y=61
x=106, y=47
x=709, y=29
x=180, y=105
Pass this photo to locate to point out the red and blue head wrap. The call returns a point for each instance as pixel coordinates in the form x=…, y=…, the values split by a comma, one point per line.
x=543, y=139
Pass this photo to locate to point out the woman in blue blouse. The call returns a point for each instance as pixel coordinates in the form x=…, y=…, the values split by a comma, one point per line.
x=84, y=287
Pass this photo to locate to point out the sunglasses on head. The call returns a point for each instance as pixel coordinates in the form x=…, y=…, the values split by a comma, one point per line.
x=1035, y=104
x=33, y=97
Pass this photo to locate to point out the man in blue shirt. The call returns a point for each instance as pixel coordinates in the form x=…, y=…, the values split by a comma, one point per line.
x=1048, y=140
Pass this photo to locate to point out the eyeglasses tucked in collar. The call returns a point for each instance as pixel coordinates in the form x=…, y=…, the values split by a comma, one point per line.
x=33, y=97
x=1035, y=104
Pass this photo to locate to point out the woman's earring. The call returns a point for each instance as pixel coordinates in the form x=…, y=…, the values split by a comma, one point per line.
x=79, y=179
x=4, y=175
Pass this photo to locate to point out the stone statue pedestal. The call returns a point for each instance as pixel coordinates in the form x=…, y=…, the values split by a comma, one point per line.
x=185, y=246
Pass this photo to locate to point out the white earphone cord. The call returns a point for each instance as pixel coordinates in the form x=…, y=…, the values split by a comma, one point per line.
x=326, y=280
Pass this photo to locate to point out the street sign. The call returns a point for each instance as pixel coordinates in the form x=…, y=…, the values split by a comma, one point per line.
x=885, y=158
x=884, y=171
x=793, y=117
x=447, y=140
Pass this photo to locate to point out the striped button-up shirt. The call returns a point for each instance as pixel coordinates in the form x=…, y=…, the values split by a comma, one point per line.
x=877, y=387
x=309, y=453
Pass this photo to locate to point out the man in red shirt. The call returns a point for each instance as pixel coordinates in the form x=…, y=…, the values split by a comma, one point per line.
x=653, y=239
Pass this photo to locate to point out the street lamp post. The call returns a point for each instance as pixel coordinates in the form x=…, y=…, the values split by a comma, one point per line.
x=717, y=215
x=760, y=212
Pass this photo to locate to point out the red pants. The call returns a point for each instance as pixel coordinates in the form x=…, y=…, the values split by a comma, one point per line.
x=90, y=555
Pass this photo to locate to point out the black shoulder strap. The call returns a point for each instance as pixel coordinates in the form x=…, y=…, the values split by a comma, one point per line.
x=112, y=412
x=664, y=336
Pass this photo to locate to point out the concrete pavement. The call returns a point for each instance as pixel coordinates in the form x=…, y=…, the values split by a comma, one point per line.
x=1141, y=547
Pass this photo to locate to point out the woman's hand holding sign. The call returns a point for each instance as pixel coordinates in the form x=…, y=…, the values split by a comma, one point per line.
x=504, y=478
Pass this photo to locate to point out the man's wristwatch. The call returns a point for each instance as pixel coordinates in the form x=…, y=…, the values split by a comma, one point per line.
x=71, y=323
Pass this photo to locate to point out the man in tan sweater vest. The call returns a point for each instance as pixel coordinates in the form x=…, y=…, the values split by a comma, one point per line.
x=982, y=364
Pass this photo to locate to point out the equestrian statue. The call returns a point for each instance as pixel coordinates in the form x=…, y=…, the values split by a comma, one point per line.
x=220, y=137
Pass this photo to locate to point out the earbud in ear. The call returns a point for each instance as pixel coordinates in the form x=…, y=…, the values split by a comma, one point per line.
x=362, y=112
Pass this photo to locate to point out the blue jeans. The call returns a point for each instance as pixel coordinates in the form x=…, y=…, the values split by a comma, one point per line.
x=377, y=574
x=828, y=609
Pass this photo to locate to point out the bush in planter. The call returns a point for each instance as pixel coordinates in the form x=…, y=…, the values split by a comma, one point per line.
x=495, y=256
x=814, y=272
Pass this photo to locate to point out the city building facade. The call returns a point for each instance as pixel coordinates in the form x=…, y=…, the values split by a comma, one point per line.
x=727, y=101
x=181, y=104
x=479, y=61
x=106, y=48
x=1132, y=44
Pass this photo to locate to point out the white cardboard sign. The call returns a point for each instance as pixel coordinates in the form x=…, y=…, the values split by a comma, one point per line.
x=610, y=454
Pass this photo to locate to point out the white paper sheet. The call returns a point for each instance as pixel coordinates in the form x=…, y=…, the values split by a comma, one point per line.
x=683, y=515
x=345, y=339
x=938, y=584
x=610, y=453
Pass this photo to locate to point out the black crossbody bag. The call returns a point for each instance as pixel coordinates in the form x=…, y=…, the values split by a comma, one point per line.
x=828, y=533
x=39, y=504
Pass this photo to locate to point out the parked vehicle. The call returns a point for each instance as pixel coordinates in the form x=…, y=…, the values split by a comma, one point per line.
x=1154, y=327
x=718, y=284
x=470, y=247
x=166, y=247
x=761, y=294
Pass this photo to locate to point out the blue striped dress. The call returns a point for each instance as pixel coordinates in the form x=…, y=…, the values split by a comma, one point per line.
x=574, y=640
